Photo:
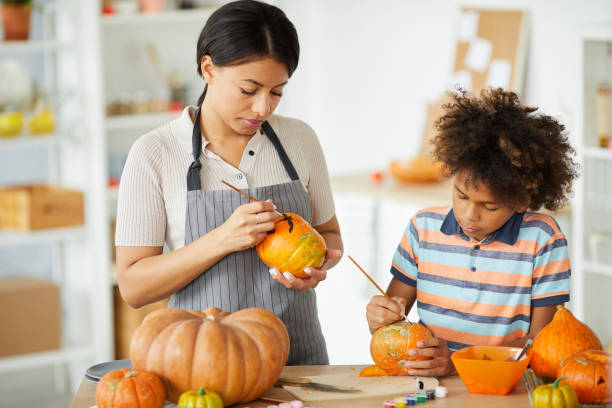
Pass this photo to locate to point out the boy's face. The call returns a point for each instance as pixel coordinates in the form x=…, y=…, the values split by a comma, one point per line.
x=476, y=209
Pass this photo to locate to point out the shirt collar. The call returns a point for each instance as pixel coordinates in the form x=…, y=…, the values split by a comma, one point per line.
x=507, y=234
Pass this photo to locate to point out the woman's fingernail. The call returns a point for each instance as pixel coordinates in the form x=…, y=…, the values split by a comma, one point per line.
x=420, y=343
x=412, y=352
x=308, y=270
x=287, y=275
x=273, y=272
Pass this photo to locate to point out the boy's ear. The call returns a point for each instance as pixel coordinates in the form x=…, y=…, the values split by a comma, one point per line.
x=208, y=69
x=520, y=209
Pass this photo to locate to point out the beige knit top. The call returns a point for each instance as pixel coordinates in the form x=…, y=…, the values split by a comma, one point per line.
x=153, y=187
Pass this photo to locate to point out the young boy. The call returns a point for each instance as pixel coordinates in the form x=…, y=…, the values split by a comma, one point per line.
x=485, y=271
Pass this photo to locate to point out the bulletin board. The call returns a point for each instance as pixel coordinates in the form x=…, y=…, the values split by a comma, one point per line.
x=491, y=48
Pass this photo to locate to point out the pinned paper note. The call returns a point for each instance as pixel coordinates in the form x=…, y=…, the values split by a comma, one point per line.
x=461, y=79
x=478, y=54
x=499, y=74
x=468, y=26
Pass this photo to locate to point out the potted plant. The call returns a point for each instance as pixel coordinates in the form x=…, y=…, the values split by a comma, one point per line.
x=16, y=19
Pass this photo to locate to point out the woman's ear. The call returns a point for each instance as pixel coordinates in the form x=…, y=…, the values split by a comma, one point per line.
x=208, y=69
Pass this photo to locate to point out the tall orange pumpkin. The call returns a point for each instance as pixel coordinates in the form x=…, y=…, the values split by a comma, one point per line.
x=293, y=246
x=390, y=344
x=238, y=355
x=130, y=388
x=563, y=336
x=589, y=374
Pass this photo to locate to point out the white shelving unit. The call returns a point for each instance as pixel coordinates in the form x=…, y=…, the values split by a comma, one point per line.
x=592, y=204
x=69, y=50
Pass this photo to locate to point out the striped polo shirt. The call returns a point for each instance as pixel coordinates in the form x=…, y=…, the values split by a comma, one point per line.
x=481, y=293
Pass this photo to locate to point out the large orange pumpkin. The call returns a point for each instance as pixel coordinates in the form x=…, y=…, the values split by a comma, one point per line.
x=238, y=355
x=563, y=336
x=589, y=374
x=390, y=344
x=130, y=388
x=293, y=246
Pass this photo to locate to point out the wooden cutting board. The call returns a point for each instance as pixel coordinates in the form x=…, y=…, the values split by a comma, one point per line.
x=369, y=386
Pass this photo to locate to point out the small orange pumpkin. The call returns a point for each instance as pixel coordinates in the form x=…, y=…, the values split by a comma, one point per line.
x=589, y=374
x=390, y=345
x=293, y=246
x=373, y=371
x=563, y=336
x=416, y=170
x=130, y=388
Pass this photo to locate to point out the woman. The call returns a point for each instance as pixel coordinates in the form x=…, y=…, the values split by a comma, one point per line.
x=171, y=190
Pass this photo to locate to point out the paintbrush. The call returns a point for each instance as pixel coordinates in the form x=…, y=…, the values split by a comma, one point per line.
x=372, y=280
x=246, y=195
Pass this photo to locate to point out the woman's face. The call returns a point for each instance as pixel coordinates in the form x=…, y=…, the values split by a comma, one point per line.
x=244, y=95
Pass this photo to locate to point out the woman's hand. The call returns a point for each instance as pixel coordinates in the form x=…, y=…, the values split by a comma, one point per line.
x=440, y=363
x=247, y=226
x=382, y=311
x=316, y=275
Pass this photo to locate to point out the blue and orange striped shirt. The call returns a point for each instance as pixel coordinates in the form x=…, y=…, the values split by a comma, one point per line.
x=471, y=293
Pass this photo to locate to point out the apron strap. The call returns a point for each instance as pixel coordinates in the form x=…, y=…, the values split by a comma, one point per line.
x=193, y=175
x=280, y=150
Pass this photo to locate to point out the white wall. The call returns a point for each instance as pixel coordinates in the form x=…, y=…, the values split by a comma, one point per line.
x=368, y=68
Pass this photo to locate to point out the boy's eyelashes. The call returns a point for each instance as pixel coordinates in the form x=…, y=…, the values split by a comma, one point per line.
x=248, y=92
x=462, y=197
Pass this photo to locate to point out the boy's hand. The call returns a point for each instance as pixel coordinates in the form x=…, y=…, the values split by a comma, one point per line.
x=382, y=311
x=440, y=363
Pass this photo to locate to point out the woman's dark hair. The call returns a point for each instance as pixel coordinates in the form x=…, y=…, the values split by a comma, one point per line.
x=524, y=158
x=246, y=30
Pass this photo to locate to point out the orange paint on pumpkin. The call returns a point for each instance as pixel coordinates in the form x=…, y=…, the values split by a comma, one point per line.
x=563, y=336
x=293, y=246
x=390, y=346
x=373, y=371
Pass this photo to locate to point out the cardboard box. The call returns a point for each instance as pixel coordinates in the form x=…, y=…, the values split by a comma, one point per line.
x=40, y=206
x=30, y=316
x=127, y=319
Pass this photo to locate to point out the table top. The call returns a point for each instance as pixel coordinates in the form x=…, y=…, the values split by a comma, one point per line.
x=458, y=396
x=433, y=194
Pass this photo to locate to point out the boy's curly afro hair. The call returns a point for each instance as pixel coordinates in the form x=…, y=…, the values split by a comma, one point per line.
x=523, y=158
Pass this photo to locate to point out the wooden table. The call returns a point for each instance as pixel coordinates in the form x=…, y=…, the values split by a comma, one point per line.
x=458, y=396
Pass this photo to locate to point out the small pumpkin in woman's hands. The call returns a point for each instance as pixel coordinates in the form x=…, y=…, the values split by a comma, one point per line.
x=200, y=399
x=293, y=246
x=555, y=396
x=130, y=388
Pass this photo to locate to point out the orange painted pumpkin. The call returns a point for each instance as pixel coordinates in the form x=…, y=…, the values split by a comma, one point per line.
x=373, y=371
x=390, y=344
x=416, y=170
x=239, y=355
x=293, y=246
x=589, y=374
x=130, y=388
x=563, y=336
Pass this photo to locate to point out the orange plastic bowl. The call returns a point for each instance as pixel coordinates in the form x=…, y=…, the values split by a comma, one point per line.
x=486, y=369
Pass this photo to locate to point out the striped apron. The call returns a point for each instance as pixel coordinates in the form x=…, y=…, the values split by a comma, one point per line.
x=240, y=280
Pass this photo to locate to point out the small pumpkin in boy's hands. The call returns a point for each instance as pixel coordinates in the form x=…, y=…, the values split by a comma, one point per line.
x=200, y=399
x=293, y=246
x=130, y=388
x=554, y=395
x=390, y=346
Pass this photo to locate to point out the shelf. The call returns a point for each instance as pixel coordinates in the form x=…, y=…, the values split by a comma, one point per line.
x=167, y=17
x=46, y=358
x=9, y=237
x=31, y=46
x=598, y=153
x=113, y=194
x=601, y=269
x=146, y=121
x=24, y=141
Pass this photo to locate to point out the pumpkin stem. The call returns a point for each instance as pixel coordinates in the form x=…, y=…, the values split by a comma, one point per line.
x=201, y=392
x=131, y=373
x=556, y=383
x=560, y=307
